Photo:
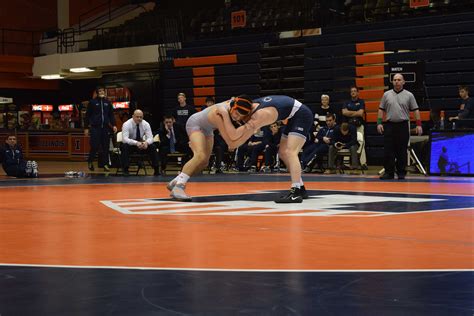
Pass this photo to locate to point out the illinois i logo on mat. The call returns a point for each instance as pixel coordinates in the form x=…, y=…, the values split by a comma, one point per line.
x=320, y=203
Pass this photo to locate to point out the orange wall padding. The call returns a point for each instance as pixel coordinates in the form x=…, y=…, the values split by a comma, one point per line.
x=203, y=71
x=204, y=81
x=370, y=47
x=208, y=60
x=372, y=106
x=370, y=82
x=370, y=59
x=200, y=92
x=199, y=101
x=370, y=70
x=371, y=94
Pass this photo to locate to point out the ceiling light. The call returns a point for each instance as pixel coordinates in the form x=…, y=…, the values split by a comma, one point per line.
x=51, y=77
x=81, y=69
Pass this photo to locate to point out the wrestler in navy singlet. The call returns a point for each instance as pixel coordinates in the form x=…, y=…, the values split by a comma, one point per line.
x=300, y=117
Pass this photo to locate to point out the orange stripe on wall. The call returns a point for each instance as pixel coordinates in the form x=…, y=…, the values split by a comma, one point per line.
x=199, y=101
x=208, y=60
x=30, y=84
x=370, y=82
x=370, y=70
x=12, y=59
x=370, y=59
x=372, y=106
x=204, y=81
x=371, y=94
x=203, y=71
x=370, y=47
x=199, y=92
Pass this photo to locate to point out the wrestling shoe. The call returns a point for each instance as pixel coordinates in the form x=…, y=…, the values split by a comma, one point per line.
x=303, y=192
x=178, y=193
x=171, y=185
x=34, y=166
x=294, y=196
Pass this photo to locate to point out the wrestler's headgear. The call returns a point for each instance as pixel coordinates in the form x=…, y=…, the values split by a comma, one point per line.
x=243, y=105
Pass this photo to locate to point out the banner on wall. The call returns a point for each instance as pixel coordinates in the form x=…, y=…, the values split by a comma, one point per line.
x=48, y=144
x=419, y=3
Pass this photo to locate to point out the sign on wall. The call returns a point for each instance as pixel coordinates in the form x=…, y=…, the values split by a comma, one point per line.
x=419, y=3
x=238, y=19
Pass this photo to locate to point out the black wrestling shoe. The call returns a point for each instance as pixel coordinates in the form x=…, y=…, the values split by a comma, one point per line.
x=304, y=194
x=386, y=176
x=90, y=165
x=294, y=196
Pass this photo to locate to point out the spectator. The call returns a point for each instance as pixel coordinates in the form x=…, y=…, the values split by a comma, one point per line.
x=252, y=149
x=99, y=119
x=323, y=110
x=137, y=137
x=320, y=146
x=173, y=139
x=353, y=112
x=183, y=111
x=466, y=108
x=12, y=160
x=272, y=144
x=209, y=101
x=344, y=137
x=397, y=104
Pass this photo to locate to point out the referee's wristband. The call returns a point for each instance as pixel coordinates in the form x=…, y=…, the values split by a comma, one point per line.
x=379, y=121
x=418, y=122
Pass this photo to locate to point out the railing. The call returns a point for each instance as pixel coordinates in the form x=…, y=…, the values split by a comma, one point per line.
x=19, y=42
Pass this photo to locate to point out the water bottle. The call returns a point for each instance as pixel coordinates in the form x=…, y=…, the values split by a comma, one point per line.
x=74, y=174
x=441, y=120
x=454, y=124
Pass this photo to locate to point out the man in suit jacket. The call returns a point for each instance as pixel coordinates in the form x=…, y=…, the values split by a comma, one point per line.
x=173, y=139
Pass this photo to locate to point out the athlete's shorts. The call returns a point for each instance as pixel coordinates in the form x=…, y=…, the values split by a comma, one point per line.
x=198, y=122
x=300, y=123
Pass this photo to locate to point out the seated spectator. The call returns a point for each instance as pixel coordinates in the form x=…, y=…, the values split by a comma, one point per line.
x=322, y=110
x=137, y=137
x=173, y=139
x=220, y=148
x=353, y=112
x=251, y=149
x=320, y=146
x=466, y=108
x=183, y=111
x=209, y=101
x=12, y=160
x=344, y=137
x=272, y=137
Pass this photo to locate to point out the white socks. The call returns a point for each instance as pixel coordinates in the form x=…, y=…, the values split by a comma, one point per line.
x=182, y=178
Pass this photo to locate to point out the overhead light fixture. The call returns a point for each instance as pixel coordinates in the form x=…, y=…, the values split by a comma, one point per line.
x=52, y=77
x=81, y=69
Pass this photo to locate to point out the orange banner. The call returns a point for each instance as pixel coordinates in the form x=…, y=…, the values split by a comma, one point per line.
x=48, y=144
x=419, y=3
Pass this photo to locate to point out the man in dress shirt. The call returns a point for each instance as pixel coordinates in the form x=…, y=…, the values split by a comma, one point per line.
x=137, y=136
x=173, y=139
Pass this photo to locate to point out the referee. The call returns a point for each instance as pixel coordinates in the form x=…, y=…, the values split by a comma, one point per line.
x=397, y=104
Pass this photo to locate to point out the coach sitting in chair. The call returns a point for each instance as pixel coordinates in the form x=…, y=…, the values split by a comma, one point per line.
x=137, y=137
x=173, y=139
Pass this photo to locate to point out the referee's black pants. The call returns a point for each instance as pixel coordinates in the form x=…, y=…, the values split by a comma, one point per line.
x=396, y=138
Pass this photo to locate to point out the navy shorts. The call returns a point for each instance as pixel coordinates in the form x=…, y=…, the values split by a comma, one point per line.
x=300, y=124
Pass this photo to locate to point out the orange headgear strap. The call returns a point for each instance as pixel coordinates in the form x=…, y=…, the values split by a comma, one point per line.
x=241, y=107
